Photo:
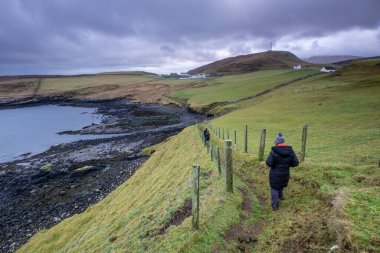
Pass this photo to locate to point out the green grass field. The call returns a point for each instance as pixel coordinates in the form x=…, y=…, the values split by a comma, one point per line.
x=233, y=87
x=343, y=123
x=332, y=198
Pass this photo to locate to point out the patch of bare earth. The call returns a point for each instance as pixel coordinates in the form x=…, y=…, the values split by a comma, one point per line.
x=245, y=235
x=177, y=218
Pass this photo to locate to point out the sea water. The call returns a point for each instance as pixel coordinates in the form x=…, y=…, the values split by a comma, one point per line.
x=34, y=129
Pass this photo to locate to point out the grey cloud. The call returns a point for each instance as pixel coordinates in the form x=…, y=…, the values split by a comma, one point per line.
x=45, y=35
x=315, y=45
x=167, y=48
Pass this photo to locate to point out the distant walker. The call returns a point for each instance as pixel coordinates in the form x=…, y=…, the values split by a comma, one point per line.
x=206, y=135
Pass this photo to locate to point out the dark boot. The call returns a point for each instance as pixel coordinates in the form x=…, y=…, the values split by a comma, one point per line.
x=274, y=194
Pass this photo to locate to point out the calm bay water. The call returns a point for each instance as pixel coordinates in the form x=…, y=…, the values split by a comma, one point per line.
x=34, y=129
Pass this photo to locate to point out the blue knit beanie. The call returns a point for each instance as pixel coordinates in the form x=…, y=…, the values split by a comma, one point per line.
x=279, y=139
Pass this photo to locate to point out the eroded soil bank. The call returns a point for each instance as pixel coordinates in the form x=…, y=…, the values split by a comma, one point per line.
x=39, y=191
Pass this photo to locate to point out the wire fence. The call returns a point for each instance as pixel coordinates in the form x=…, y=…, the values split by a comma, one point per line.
x=225, y=134
x=216, y=149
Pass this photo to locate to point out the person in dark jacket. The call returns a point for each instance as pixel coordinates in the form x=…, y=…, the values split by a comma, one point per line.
x=206, y=135
x=279, y=160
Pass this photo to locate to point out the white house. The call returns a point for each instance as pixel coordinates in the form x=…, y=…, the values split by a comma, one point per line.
x=327, y=69
x=184, y=76
x=297, y=66
x=202, y=75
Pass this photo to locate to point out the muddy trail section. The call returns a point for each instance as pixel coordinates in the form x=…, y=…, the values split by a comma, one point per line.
x=37, y=192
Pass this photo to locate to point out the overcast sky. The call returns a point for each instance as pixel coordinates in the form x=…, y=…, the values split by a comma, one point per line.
x=85, y=36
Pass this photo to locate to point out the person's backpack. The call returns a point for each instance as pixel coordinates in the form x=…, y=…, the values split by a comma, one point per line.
x=207, y=135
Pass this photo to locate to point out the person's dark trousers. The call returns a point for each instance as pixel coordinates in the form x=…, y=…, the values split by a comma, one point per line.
x=277, y=195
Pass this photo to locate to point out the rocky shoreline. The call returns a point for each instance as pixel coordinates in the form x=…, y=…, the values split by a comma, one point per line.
x=39, y=191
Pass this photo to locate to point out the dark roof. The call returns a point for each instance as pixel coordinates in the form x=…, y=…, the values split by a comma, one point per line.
x=329, y=68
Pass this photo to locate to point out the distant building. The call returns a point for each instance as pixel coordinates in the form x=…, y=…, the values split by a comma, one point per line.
x=328, y=69
x=297, y=66
x=185, y=76
x=198, y=76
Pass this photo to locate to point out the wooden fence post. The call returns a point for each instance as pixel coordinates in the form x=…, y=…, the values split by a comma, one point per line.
x=303, y=148
x=229, y=169
x=228, y=134
x=211, y=154
x=218, y=160
x=235, y=137
x=262, y=144
x=246, y=139
x=223, y=133
x=219, y=132
x=195, y=199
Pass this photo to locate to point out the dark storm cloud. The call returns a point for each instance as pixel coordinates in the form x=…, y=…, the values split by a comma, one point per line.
x=56, y=36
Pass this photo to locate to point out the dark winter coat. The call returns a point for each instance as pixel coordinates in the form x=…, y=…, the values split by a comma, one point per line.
x=206, y=134
x=279, y=160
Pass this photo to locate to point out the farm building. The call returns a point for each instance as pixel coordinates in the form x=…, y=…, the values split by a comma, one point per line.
x=327, y=69
x=297, y=66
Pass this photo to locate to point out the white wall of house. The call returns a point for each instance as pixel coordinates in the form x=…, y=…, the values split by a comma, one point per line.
x=327, y=70
x=297, y=66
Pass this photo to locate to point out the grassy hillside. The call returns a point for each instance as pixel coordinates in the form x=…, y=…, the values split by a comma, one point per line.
x=252, y=62
x=334, y=196
x=332, y=199
x=325, y=205
x=132, y=217
x=15, y=88
x=80, y=82
x=142, y=87
x=343, y=121
x=234, y=87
